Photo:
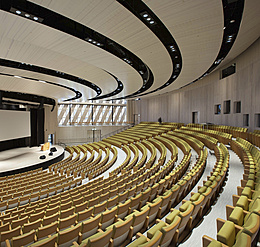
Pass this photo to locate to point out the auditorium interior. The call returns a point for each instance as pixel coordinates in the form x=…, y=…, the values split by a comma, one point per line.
x=129, y=123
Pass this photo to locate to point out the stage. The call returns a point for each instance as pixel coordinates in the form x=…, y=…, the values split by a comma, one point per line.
x=24, y=159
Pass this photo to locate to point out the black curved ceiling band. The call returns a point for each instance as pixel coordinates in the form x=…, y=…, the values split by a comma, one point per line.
x=64, y=24
x=119, y=89
x=28, y=97
x=233, y=12
x=148, y=17
x=77, y=96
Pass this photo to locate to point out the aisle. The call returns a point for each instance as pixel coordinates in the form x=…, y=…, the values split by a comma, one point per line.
x=208, y=225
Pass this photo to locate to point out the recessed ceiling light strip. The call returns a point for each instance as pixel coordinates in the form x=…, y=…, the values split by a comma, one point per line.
x=149, y=18
x=64, y=24
x=77, y=96
x=233, y=13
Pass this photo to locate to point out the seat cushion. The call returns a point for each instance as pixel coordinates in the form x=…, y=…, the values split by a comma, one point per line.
x=215, y=243
x=156, y=227
x=247, y=192
x=242, y=202
x=169, y=219
x=237, y=216
x=227, y=233
x=251, y=224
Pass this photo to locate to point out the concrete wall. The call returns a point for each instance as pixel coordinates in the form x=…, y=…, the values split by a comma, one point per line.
x=244, y=86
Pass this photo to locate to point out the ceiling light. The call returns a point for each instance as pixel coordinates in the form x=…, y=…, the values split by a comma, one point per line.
x=42, y=81
x=152, y=22
x=224, y=28
x=18, y=12
x=145, y=15
x=149, y=18
x=98, y=44
x=17, y=76
x=94, y=42
x=90, y=40
x=232, y=21
x=27, y=15
x=35, y=18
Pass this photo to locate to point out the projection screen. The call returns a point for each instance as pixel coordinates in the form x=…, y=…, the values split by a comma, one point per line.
x=14, y=124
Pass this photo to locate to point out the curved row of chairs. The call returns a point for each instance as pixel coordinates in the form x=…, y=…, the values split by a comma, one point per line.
x=179, y=222
x=243, y=218
x=124, y=193
x=19, y=190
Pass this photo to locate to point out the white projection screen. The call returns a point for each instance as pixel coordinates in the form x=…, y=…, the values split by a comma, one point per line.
x=14, y=124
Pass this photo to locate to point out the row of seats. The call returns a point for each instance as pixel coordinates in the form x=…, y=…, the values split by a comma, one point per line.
x=243, y=218
x=184, y=219
x=142, y=218
x=153, y=133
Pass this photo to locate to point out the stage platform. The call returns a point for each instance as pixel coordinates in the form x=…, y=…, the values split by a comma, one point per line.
x=24, y=159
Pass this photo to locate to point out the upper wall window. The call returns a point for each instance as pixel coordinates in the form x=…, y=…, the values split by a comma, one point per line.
x=228, y=71
x=217, y=109
x=237, y=107
x=227, y=107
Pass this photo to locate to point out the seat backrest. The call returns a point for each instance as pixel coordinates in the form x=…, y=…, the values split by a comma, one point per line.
x=68, y=236
x=67, y=222
x=27, y=227
x=84, y=215
x=123, y=209
x=49, y=241
x=49, y=219
x=9, y=235
x=26, y=239
x=121, y=231
x=108, y=217
x=44, y=231
x=99, y=239
x=169, y=232
x=90, y=226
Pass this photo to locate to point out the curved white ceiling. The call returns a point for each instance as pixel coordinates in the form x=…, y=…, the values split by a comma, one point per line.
x=196, y=26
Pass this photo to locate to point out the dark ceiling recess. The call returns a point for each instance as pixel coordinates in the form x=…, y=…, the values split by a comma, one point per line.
x=233, y=12
x=148, y=17
x=119, y=89
x=25, y=97
x=64, y=24
x=77, y=96
x=41, y=70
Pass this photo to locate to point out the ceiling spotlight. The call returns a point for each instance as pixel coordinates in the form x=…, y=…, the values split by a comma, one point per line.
x=18, y=12
x=232, y=21
x=224, y=28
x=152, y=22
x=145, y=15
x=90, y=40
x=141, y=72
x=27, y=15
x=98, y=44
x=35, y=18
x=94, y=42
x=149, y=18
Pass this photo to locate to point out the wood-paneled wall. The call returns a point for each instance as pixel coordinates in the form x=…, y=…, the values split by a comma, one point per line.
x=244, y=86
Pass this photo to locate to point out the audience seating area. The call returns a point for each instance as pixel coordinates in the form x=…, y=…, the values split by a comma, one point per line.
x=72, y=204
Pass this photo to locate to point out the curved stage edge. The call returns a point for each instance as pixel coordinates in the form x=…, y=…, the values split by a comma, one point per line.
x=44, y=164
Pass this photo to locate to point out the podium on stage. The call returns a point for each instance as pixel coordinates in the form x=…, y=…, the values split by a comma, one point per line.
x=45, y=146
